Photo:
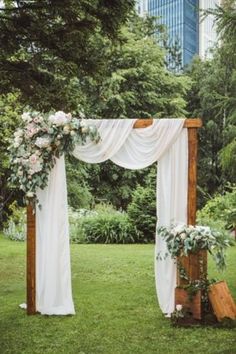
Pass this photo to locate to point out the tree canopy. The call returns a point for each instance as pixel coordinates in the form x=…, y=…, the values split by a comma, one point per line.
x=45, y=43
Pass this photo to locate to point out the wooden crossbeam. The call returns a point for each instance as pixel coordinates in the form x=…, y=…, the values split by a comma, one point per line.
x=192, y=125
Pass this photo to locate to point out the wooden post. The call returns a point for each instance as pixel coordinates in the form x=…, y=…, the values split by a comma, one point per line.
x=31, y=261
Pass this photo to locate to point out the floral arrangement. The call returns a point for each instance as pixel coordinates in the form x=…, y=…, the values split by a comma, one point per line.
x=39, y=141
x=182, y=240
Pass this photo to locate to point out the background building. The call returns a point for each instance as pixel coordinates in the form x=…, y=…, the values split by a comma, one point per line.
x=184, y=24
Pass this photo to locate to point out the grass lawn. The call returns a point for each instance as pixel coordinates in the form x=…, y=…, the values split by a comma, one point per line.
x=116, y=307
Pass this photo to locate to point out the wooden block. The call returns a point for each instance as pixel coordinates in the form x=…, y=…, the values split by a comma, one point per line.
x=193, y=306
x=195, y=266
x=221, y=301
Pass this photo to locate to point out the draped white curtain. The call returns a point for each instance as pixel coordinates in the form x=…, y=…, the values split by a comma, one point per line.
x=164, y=141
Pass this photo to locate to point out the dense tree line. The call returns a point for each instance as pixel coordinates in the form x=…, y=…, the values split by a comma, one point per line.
x=101, y=57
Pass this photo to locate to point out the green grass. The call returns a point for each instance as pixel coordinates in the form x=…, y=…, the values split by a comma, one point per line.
x=116, y=307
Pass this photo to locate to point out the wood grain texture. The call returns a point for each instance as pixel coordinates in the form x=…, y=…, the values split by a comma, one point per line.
x=31, y=261
x=222, y=302
x=193, y=305
x=189, y=123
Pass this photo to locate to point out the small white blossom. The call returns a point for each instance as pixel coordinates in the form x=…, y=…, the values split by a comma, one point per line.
x=59, y=118
x=43, y=142
x=26, y=117
x=66, y=129
x=179, y=307
x=29, y=194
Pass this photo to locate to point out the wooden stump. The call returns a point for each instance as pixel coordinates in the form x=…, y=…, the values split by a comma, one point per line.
x=222, y=302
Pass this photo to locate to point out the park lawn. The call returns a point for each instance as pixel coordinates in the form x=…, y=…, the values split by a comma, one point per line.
x=116, y=307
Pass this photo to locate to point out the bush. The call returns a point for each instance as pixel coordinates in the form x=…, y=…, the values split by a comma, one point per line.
x=142, y=212
x=15, y=227
x=103, y=225
x=220, y=211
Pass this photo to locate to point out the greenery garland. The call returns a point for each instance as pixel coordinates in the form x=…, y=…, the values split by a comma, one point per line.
x=182, y=240
x=37, y=143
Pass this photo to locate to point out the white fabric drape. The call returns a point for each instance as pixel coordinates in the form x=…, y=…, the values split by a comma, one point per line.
x=166, y=141
x=53, y=274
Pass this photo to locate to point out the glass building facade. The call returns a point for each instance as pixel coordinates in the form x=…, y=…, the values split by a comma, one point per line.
x=181, y=18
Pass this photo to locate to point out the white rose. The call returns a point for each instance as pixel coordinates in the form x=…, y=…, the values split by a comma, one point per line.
x=179, y=307
x=26, y=117
x=59, y=118
x=183, y=235
x=84, y=129
x=42, y=142
x=29, y=194
x=66, y=129
x=82, y=123
x=18, y=133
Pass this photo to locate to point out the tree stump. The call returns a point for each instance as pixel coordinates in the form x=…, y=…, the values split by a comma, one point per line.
x=221, y=301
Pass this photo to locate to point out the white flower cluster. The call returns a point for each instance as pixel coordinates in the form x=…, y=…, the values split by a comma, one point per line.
x=40, y=139
x=60, y=118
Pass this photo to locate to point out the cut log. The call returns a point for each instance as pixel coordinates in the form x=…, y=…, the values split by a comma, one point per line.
x=221, y=301
x=192, y=305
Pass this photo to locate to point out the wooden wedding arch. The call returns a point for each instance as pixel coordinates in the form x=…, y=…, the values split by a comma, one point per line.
x=191, y=264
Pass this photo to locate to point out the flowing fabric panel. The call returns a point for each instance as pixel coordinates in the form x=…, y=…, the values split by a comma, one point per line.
x=53, y=273
x=172, y=190
x=131, y=148
x=113, y=133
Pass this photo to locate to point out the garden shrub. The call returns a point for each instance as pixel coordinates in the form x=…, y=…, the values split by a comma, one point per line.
x=142, y=212
x=220, y=211
x=104, y=224
x=109, y=228
x=15, y=227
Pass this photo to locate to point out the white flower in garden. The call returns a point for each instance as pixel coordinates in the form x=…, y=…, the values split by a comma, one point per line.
x=38, y=119
x=31, y=130
x=18, y=133
x=43, y=142
x=82, y=123
x=33, y=159
x=29, y=194
x=179, y=307
x=183, y=235
x=59, y=118
x=72, y=133
x=84, y=129
x=26, y=117
x=66, y=129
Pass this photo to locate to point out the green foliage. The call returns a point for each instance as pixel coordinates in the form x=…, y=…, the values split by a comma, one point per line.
x=142, y=211
x=183, y=240
x=10, y=109
x=45, y=44
x=116, y=307
x=15, y=227
x=104, y=225
x=220, y=210
x=135, y=82
x=212, y=97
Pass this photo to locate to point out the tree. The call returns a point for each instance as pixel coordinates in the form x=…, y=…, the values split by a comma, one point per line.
x=10, y=112
x=225, y=16
x=46, y=43
x=135, y=81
